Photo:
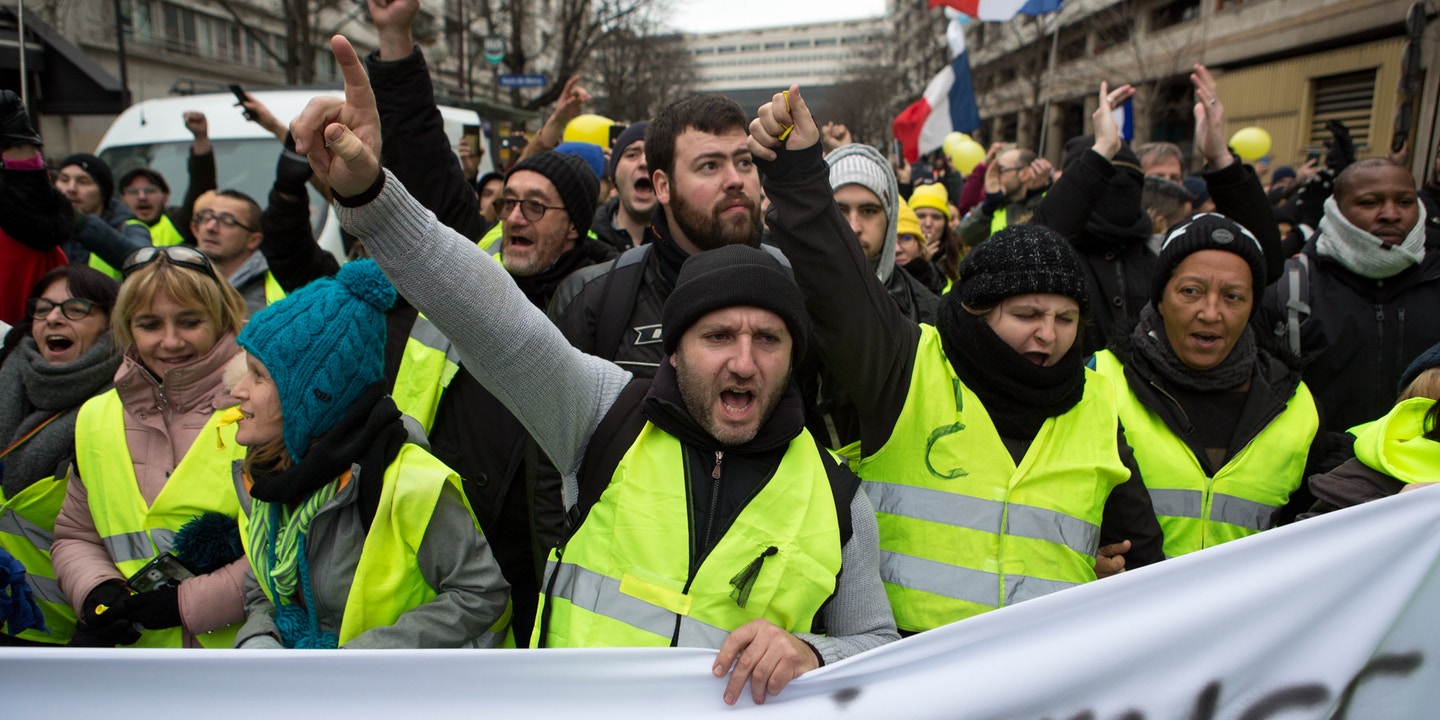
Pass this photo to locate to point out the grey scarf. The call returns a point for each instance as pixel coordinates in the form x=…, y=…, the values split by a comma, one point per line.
x=1152, y=347
x=1363, y=253
x=32, y=390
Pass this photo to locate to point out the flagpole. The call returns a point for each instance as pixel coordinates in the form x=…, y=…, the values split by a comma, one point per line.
x=1050, y=85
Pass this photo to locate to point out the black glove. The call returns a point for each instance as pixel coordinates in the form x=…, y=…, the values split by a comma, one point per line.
x=154, y=610
x=292, y=171
x=15, y=128
x=100, y=624
x=1341, y=147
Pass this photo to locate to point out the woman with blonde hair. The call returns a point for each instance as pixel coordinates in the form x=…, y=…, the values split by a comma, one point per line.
x=151, y=457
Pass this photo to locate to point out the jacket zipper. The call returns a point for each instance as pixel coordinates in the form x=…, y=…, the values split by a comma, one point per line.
x=1380, y=363
x=709, y=527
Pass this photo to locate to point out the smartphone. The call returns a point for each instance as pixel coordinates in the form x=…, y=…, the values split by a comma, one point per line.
x=163, y=571
x=1315, y=155
x=899, y=152
x=470, y=136
x=240, y=96
x=615, y=131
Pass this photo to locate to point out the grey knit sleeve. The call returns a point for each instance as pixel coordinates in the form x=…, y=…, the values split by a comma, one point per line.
x=858, y=617
x=556, y=391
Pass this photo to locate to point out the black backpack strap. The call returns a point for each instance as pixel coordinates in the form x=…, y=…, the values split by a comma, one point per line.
x=622, y=287
x=843, y=486
x=612, y=439
x=1295, y=296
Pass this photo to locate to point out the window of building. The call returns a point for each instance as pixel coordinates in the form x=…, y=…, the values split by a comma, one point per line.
x=705, y=51
x=774, y=46
x=1072, y=45
x=799, y=44
x=1174, y=13
x=723, y=49
x=825, y=42
x=750, y=48
x=1347, y=98
x=1226, y=4
x=1112, y=35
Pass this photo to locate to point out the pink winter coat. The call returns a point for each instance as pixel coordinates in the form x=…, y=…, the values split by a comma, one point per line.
x=157, y=440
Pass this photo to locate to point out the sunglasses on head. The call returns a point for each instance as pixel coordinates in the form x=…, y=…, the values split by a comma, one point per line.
x=181, y=255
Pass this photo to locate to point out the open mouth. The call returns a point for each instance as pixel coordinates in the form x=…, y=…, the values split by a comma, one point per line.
x=1037, y=357
x=58, y=343
x=736, y=402
x=177, y=359
x=1208, y=341
x=643, y=185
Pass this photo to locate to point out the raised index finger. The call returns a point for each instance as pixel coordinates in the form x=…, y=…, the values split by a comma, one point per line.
x=357, y=84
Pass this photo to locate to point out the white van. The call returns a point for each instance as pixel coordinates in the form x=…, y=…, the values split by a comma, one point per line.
x=152, y=134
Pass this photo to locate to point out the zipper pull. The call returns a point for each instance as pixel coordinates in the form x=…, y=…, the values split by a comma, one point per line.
x=745, y=580
x=719, y=457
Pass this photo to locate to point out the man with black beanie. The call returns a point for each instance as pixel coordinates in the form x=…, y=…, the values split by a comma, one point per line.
x=623, y=220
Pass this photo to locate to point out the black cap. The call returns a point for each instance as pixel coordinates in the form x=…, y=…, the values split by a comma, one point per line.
x=632, y=134
x=1210, y=231
x=99, y=171
x=573, y=180
x=734, y=276
x=1020, y=260
x=150, y=173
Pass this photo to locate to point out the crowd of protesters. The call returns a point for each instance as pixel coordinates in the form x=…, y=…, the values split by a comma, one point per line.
x=732, y=381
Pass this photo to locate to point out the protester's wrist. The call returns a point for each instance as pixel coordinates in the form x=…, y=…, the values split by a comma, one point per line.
x=396, y=45
x=365, y=197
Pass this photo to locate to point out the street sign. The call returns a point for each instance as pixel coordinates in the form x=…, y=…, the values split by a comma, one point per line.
x=522, y=81
x=494, y=48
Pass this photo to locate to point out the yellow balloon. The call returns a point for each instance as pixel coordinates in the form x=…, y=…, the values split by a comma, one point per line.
x=953, y=141
x=593, y=129
x=967, y=155
x=1251, y=143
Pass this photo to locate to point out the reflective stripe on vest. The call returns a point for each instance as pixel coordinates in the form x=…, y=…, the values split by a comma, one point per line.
x=1197, y=511
x=388, y=581
x=273, y=292
x=426, y=369
x=963, y=529
x=625, y=580
x=133, y=532
x=1396, y=444
x=27, y=530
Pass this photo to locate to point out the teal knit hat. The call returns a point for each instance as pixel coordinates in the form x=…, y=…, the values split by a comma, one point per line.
x=323, y=345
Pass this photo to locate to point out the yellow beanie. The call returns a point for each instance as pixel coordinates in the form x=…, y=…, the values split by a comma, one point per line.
x=909, y=223
x=931, y=196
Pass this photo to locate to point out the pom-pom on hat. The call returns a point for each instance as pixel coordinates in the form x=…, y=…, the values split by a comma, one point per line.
x=931, y=196
x=323, y=345
x=734, y=276
x=1021, y=260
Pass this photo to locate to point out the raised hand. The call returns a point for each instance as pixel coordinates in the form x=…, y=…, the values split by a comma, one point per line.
x=341, y=138
x=785, y=120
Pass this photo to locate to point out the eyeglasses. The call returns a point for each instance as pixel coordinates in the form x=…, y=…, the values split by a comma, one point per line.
x=226, y=220
x=74, y=308
x=181, y=255
x=533, y=210
x=132, y=191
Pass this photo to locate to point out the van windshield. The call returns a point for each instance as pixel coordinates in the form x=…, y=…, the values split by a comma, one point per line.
x=246, y=165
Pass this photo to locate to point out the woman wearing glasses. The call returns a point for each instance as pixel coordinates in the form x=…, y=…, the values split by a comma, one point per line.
x=151, y=457
x=60, y=355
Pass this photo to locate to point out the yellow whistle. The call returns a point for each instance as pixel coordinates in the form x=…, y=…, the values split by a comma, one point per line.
x=228, y=417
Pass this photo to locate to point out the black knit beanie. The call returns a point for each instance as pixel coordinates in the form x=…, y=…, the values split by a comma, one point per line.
x=632, y=134
x=573, y=180
x=1020, y=260
x=99, y=171
x=734, y=276
x=1209, y=232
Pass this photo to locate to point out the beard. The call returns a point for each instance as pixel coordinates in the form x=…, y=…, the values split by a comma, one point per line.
x=711, y=230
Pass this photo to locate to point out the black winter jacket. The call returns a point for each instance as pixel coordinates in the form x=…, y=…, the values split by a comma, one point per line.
x=1360, y=334
x=1120, y=272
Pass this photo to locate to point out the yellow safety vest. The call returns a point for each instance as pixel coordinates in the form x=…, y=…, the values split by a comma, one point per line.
x=27, y=528
x=273, y=292
x=1396, y=444
x=162, y=233
x=624, y=579
x=134, y=533
x=999, y=221
x=963, y=530
x=388, y=581
x=1197, y=511
x=426, y=369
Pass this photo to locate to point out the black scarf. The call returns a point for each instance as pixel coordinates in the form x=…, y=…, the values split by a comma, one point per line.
x=1152, y=349
x=370, y=434
x=539, y=288
x=1018, y=394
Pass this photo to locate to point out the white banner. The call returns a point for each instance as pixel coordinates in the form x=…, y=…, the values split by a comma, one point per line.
x=1336, y=617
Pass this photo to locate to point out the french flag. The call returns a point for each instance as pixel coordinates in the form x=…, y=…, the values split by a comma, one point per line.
x=947, y=105
x=999, y=10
